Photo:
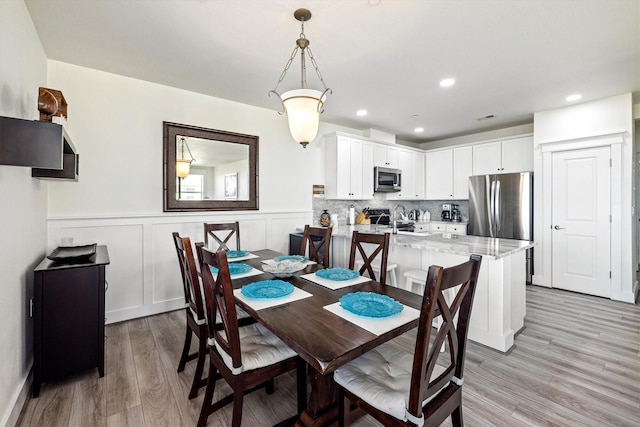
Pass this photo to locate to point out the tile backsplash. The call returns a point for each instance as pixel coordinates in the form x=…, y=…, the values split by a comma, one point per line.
x=380, y=201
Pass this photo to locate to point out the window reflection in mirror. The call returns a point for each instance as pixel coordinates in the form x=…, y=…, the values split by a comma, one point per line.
x=222, y=174
x=219, y=171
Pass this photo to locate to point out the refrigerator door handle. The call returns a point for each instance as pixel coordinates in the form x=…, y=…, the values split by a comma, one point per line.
x=496, y=208
x=492, y=208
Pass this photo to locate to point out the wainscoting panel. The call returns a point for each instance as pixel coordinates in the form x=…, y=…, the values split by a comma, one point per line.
x=143, y=277
x=126, y=253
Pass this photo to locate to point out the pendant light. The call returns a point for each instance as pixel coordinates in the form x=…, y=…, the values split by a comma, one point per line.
x=303, y=106
x=183, y=165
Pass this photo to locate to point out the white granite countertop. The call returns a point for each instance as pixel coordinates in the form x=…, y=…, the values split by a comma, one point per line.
x=443, y=242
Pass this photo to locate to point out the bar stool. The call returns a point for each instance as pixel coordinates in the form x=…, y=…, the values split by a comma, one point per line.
x=391, y=271
x=415, y=276
x=420, y=277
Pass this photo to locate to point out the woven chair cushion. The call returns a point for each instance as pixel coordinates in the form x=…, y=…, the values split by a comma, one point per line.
x=382, y=378
x=259, y=348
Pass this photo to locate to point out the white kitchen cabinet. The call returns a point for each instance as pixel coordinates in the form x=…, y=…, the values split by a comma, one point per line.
x=422, y=227
x=438, y=227
x=447, y=173
x=512, y=155
x=449, y=227
x=439, y=175
x=419, y=175
x=367, y=170
x=411, y=163
x=462, y=170
x=385, y=156
x=517, y=155
x=456, y=228
x=345, y=162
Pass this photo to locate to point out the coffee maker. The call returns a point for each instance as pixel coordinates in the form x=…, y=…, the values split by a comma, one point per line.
x=446, y=212
x=455, y=213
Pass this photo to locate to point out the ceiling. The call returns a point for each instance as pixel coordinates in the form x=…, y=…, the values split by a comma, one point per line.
x=509, y=58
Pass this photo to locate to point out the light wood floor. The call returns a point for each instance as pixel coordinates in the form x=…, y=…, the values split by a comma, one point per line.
x=576, y=363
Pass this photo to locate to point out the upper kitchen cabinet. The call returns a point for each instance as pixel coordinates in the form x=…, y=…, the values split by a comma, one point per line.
x=447, y=173
x=512, y=155
x=385, y=156
x=43, y=146
x=411, y=163
x=348, y=168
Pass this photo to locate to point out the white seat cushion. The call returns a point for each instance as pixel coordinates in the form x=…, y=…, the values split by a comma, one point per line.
x=259, y=348
x=382, y=378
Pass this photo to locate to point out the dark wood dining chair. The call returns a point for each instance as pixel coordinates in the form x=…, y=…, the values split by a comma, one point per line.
x=246, y=357
x=318, y=239
x=403, y=389
x=195, y=313
x=378, y=245
x=221, y=235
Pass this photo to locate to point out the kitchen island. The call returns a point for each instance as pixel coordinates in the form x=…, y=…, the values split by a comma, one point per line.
x=500, y=300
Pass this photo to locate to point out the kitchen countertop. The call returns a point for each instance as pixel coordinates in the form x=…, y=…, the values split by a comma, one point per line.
x=443, y=242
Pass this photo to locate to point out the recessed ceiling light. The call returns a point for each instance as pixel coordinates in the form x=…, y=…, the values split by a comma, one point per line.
x=361, y=113
x=418, y=130
x=447, y=82
x=573, y=97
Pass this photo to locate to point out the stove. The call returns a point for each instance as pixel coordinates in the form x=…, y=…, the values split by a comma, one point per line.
x=380, y=216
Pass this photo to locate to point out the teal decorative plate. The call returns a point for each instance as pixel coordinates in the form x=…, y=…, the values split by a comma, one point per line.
x=267, y=289
x=237, y=254
x=235, y=269
x=370, y=304
x=337, y=274
x=299, y=258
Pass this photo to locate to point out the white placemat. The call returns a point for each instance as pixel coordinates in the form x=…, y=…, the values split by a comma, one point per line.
x=269, y=261
x=296, y=295
x=376, y=326
x=334, y=284
x=252, y=272
x=243, y=258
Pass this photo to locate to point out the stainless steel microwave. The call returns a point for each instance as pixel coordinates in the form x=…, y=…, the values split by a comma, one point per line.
x=386, y=180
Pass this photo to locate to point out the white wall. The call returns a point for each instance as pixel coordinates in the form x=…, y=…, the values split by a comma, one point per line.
x=613, y=115
x=115, y=119
x=22, y=207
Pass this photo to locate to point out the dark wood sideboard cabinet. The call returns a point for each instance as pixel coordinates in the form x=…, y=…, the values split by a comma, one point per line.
x=69, y=318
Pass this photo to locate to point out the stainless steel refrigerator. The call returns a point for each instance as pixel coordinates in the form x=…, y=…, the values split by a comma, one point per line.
x=501, y=205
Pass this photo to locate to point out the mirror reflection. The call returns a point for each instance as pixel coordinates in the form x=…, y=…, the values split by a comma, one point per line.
x=207, y=169
x=215, y=170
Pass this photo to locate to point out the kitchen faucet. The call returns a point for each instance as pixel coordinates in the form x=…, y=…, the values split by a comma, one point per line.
x=395, y=225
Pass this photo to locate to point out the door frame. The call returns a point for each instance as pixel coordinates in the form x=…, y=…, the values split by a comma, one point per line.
x=615, y=142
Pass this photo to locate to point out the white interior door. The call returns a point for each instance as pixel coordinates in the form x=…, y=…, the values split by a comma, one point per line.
x=581, y=242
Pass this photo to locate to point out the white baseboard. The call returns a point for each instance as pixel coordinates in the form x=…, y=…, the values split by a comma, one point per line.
x=10, y=418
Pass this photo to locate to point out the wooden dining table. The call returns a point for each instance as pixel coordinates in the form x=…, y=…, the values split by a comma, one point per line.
x=323, y=339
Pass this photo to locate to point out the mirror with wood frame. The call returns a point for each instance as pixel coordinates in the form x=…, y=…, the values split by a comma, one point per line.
x=209, y=170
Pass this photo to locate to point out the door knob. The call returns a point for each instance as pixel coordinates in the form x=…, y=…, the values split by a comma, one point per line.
x=557, y=227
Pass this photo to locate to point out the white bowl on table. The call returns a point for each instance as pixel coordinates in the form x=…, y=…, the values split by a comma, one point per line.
x=282, y=269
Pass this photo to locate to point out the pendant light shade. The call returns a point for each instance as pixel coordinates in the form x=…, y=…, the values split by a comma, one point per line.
x=303, y=106
x=183, y=165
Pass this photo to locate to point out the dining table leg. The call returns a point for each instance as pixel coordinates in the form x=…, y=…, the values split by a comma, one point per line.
x=322, y=408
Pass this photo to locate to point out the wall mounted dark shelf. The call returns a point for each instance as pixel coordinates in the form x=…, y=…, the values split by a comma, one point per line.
x=44, y=146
